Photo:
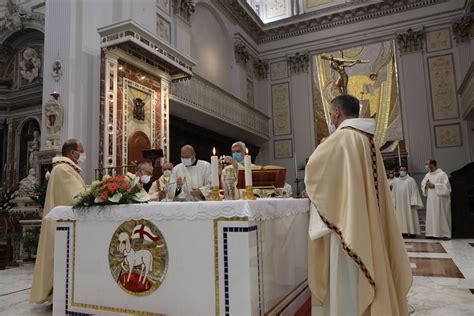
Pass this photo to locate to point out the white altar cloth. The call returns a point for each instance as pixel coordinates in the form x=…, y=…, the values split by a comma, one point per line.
x=222, y=258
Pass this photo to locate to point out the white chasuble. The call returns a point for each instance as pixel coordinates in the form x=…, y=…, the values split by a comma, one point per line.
x=361, y=267
x=65, y=182
x=438, y=204
x=407, y=201
x=197, y=176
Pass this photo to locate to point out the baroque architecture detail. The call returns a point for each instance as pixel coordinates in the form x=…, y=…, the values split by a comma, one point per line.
x=184, y=8
x=462, y=28
x=261, y=68
x=298, y=63
x=410, y=42
x=241, y=53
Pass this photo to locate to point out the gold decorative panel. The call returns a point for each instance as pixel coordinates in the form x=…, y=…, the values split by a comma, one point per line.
x=443, y=87
x=369, y=74
x=448, y=135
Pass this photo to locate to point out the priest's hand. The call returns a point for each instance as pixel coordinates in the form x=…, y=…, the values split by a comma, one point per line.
x=228, y=160
x=196, y=193
x=179, y=182
x=430, y=185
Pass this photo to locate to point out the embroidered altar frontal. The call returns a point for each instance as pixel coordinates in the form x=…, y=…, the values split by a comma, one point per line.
x=189, y=258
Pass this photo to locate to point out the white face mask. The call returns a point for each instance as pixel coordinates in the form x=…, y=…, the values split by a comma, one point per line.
x=167, y=173
x=403, y=173
x=186, y=161
x=427, y=167
x=145, y=179
x=82, y=158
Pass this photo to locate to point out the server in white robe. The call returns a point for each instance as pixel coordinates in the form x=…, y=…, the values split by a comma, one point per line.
x=407, y=201
x=436, y=187
x=191, y=179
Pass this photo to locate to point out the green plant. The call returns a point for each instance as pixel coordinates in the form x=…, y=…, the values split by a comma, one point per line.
x=6, y=198
x=30, y=241
x=40, y=193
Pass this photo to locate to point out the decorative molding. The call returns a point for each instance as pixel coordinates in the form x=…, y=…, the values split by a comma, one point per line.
x=466, y=91
x=184, y=8
x=241, y=53
x=448, y=135
x=411, y=41
x=442, y=78
x=298, y=63
x=251, y=23
x=283, y=148
x=137, y=41
x=14, y=17
x=261, y=68
x=438, y=40
x=462, y=28
x=281, y=113
x=212, y=100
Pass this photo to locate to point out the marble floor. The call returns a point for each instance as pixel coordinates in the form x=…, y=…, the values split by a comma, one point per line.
x=443, y=281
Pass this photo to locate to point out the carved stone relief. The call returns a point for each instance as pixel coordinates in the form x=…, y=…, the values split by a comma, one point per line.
x=410, y=42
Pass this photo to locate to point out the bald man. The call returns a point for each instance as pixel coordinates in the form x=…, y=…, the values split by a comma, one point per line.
x=191, y=179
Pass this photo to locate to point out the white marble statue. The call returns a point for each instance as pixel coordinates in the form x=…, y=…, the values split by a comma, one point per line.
x=54, y=121
x=30, y=64
x=27, y=185
x=34, y=145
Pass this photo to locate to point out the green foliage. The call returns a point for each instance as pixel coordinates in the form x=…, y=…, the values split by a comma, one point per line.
x=6, y=198
x=30, y=240
x=40, y=193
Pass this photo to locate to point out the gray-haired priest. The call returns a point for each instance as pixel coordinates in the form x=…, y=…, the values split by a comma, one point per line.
x=230, y=174
x=191, y=179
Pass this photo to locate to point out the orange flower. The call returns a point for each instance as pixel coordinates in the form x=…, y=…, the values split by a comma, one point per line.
x=102, y=188
x=112, y=187
x=126, y=186
x=104, y=195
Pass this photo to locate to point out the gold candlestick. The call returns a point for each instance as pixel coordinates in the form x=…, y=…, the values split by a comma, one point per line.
x=248, y=194
x=214, y=195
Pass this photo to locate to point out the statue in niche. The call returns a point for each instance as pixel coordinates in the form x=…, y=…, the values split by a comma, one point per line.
x=30, y=64
x=33, y=145
x=54, y=121
x=339, y=65
x=27, y=185
x=138, y=109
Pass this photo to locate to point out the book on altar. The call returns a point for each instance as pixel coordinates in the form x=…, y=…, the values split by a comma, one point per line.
x=264, y=177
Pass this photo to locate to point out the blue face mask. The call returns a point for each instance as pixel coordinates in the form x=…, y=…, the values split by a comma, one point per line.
x=237, y=157
x=403, y=173
x=186, y=161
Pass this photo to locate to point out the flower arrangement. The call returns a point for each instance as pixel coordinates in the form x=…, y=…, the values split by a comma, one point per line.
x=112, y=191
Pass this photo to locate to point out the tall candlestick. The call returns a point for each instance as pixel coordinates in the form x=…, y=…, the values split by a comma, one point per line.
x=214, y=169
x=248, y=168
x=399, y=155
x=296, y=165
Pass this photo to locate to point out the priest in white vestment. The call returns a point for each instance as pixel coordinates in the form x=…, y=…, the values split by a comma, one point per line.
x=357, y=262
x=159, y=188
x=436, y=187
x=191, y=179
x=65, y=182
x=407, y=201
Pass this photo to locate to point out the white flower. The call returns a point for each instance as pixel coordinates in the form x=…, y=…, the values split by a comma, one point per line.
x=98, y=200
x=141, y=196
x=116, y=198
x=104, y=178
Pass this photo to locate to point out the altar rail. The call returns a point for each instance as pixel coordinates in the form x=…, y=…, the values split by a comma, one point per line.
x=209, y=98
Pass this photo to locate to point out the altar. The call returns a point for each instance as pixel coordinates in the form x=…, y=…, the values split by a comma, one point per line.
x=182, y=258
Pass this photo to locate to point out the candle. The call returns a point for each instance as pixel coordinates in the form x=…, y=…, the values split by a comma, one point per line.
x=248, y=168
x=214, y=169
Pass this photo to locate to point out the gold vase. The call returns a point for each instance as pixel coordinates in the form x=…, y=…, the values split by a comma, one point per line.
x=214, y=195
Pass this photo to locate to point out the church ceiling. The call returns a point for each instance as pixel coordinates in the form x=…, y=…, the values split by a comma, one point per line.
x=330, y=15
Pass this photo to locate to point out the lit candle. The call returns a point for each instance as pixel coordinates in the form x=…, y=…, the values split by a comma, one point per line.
x=248, y=168
x=214, y=169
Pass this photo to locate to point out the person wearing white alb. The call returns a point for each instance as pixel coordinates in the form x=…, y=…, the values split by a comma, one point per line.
x=407, y=201
x=436, y=187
